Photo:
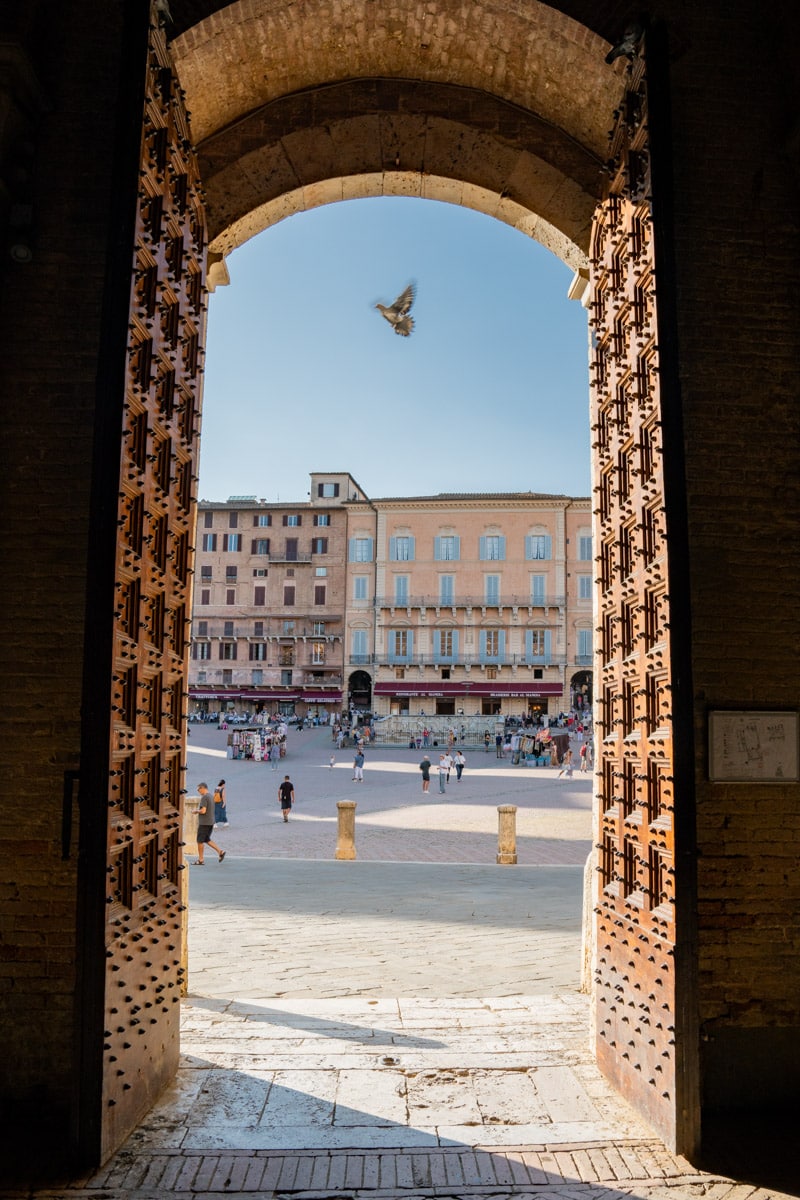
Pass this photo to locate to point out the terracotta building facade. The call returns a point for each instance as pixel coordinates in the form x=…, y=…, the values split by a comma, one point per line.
x=268, y=617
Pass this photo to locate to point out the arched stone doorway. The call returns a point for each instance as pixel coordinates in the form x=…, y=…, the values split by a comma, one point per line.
x=580, y=690
x=359, y=691
x=476, y=146
x=746, y=994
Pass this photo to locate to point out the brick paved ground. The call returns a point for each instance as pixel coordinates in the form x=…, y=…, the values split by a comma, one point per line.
x=306, y=1074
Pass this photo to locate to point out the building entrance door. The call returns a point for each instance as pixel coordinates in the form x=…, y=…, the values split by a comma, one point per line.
x=131, y=898
x=645, y=1038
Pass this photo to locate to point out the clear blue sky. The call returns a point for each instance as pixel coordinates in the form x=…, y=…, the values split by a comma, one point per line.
x=489, y=393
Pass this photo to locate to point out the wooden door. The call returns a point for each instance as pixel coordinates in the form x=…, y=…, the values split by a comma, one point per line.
x=645, y=1029
x=132, y=778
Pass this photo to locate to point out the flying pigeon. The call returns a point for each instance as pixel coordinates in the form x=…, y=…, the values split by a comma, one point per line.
x=629, y=45
x=397, y=313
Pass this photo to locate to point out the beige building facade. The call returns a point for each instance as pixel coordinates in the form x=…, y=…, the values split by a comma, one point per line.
x=483, y=605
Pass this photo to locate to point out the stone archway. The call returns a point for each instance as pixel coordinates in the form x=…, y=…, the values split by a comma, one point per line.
x=465, y=137
x=395, y=102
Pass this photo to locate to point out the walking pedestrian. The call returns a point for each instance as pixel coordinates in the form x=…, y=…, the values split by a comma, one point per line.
x=205, y=825
x=460, y=763
x=448, y=762
x=274, y=755
x=486, y=740
x=358, y=766
x=286, y=796
x=442, y=773
x=425, y=767
x=220, y=805
x=333, y=761
x=582, y=754
x=498, y=745
x=566, y=765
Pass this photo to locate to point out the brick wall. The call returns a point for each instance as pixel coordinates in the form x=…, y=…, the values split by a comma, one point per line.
x=736, y=245
x=50, y=313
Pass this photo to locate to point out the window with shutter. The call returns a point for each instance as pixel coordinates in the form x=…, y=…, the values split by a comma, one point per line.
x=360, y=549
x=230, y=596
x=319, y=593
x=208, y=520
x=205, y=596
x=259, y=597
x=446, y=548
x=492, y=547
x=233, y=520
x=288, y=595
x=259, y=546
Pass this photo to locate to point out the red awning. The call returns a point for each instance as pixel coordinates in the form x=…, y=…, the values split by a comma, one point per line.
x=535, y=688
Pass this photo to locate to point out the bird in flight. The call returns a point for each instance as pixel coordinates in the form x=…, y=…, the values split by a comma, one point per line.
x=397, y=313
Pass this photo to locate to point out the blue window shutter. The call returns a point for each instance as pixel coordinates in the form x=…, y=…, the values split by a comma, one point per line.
x=482, y=549
x=411, y=548
x=393, y=549
x=455, y=644
x=528, y=547
x=437, y=549
x=528, y=644
x=547, y=633
x=391, y=643
x=370, y=549
x=548, y=546
x=483, y=645
x=501, y=645
x=410, y=643
x=351, y=550
x=437, y=643
x=456, y=548
x=502, y=547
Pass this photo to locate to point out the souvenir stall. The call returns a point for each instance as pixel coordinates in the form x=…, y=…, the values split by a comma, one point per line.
x=256, y=743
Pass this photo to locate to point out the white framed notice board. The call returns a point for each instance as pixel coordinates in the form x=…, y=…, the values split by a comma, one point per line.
x=757, y=746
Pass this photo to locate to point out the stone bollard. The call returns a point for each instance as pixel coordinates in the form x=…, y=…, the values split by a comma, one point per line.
x=346, y=840
x=507, y=834
x=189, y=837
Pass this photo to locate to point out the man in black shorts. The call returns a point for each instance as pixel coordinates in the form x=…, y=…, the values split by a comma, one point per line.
x=205, y=825
x=286, y=796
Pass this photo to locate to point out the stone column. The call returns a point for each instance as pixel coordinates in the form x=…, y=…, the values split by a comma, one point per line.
x=346, y=840
x=189, y=837
x=507, y=834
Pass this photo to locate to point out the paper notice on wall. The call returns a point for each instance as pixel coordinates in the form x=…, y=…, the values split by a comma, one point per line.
x=747, y=746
